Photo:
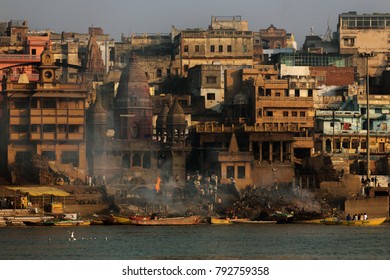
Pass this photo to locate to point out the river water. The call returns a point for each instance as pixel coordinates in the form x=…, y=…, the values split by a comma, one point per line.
x=202, y=242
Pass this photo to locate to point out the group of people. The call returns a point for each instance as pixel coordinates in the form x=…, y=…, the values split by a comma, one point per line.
x=357, y=217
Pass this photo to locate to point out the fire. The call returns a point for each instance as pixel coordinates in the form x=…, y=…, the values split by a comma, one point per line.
x=158, y=184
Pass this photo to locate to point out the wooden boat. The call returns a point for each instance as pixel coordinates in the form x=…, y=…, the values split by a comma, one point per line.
x=72, y=223
x=122, y=220
x=282, y=218
x=247, y=221
x=220, y=221
x=39, y=223
x=369, y=222
x=178, y=221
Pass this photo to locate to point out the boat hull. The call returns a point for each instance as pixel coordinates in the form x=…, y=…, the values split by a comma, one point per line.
x=218, y=221
x=179, y=221
x=369, y=222
x=247, y=221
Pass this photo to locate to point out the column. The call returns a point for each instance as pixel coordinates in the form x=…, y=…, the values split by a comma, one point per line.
x=270, y=158
x=281, y=151
x=260, y=151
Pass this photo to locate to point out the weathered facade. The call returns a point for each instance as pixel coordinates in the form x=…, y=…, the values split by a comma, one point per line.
x=229, y=45
x=45, y=118
x=366, y=34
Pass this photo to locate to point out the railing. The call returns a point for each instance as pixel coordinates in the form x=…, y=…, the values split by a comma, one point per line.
x=285, y=98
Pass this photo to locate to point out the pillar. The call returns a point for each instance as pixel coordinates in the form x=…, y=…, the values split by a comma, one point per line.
x=281, y=151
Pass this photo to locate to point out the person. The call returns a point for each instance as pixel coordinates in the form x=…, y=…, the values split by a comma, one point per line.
x=365, y=217
x=361, y=217
x=348, y=217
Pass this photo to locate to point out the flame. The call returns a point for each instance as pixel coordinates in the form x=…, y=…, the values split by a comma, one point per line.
x=158, y=184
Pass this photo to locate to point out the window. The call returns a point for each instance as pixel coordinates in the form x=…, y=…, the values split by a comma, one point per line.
x=286, y=93
x=50, y=155
x=186, y=48
x=229, y=48
x=310, y=93
x=244, y=48
x=70, y=157
x=159, y=73
x=349, y=42
x=294, y=113
x=297, y=93
x=196, y=48
x=230, y=171
x=211, y=79
x=220, y=48
x=186, y=67
x=210, y=96
x=285, y=113
x=268, y=92
x=23, y=157
x=241, y=172
x=73, y=128
x=302, y=114
x=20, y=103
x=212, y=48
x=49, y=128
x=19, y=128
x=277, y=94
x=34, y=52
x=270, y=114
x=48, y=103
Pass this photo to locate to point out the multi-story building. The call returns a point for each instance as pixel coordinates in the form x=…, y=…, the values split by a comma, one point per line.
x=44, y=117
x=229, y=44
x=208, y=81
x=154, y=52
x=366, y=34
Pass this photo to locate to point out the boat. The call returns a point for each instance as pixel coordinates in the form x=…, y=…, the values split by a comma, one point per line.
x=72, y=223
x=177, y=221
x=282, y=218
x=220, y=221
x=248, y=221
x=122, y=220
x=368, y=222
x=39, y=223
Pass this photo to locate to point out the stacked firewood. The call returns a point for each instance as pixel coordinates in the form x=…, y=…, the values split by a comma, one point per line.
x=41, y=168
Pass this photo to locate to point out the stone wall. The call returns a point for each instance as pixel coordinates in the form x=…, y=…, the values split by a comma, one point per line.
x=375, y=207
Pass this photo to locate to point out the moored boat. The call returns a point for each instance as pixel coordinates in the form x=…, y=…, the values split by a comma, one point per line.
x=220, y=221
x=247, y=221
x=177, y=221
x=72, y=223
x=368, y=222
x=122, y=220
x=39, y=223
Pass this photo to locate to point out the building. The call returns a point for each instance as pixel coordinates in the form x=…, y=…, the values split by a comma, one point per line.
x=366, y=34
x=129, y=146
x=208, y=81
x=43, y=118
x=222, y=43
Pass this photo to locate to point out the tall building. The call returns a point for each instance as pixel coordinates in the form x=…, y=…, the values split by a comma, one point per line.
x=44, y=117
x=366, y=34
x=225, y=42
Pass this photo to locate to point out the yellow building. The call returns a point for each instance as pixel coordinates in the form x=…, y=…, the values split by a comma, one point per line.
x=43, y=118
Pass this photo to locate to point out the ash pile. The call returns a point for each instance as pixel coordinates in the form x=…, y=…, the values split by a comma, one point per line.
x=261, y=202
